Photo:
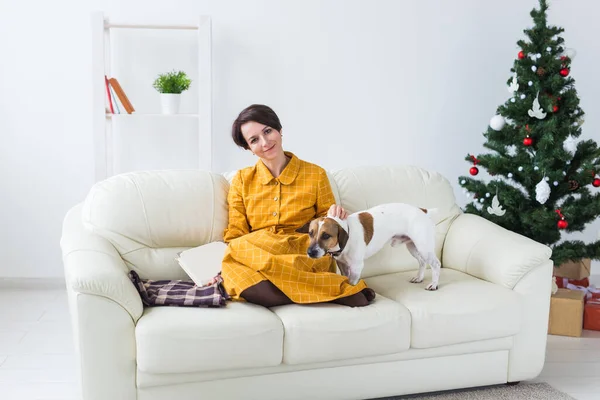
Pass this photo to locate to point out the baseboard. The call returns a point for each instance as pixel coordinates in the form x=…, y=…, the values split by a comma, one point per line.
x=32, y=283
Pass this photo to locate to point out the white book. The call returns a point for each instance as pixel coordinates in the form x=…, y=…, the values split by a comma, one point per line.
x=202, y=263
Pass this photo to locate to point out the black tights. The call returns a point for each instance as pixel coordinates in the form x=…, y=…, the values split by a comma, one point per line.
x=266, y=294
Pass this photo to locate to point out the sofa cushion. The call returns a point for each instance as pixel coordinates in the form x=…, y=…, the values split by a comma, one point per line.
x=463, y=309
x=329, y=332
x=186, y=339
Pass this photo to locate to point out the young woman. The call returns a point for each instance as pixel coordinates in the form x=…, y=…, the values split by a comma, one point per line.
x=266, y=261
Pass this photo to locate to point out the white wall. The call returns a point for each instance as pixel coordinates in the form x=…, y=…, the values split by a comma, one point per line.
x=392, y=82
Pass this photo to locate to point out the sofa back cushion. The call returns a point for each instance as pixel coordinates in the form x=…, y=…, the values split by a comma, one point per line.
x=150, y=216
x=360, y=188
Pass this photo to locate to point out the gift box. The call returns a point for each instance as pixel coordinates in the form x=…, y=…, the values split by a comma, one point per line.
x=563, y=282
x=591, y=315
x=574, y=269
x=566, y=313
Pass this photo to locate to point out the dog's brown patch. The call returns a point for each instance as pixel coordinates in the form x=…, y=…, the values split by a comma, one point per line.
x=423, y=209
x=366, y=220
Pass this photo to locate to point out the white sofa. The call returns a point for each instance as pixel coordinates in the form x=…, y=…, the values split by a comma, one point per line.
x=487, y=323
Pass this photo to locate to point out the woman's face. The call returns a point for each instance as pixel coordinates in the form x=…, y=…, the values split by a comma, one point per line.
x=264, y=141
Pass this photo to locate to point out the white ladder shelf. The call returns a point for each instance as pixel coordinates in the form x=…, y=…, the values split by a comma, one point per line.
x=102, y=122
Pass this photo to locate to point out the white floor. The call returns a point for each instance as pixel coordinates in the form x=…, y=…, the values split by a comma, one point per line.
x=37, y=362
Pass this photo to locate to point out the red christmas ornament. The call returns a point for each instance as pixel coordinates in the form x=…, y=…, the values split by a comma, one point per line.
x=563, y=58
x=596, y=182
x=555, y=108
x=521, y=55
x=564, y=72
x=562, y=224
x=474, y=170
x=528, y=141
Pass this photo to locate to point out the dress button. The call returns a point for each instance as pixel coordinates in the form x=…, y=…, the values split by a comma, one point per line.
x=274, y=213
x=276, y=198
x=277, y=183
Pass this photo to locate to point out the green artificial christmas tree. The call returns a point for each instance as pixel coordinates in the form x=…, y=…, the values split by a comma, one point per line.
x=543, y=181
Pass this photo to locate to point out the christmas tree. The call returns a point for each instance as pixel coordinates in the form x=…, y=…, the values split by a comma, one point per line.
x=543, y=180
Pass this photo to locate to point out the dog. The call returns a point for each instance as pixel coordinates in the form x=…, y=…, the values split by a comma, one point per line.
x=364, y=233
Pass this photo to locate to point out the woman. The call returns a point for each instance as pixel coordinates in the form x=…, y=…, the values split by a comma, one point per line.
x=266, y=262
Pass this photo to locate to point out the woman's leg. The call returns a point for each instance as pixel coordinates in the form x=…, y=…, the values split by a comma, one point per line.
x=265, y=294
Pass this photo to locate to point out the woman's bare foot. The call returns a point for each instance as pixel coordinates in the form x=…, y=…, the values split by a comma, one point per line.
x=355, y=300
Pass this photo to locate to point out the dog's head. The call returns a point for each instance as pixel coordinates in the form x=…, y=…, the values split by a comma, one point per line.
x=326, y=235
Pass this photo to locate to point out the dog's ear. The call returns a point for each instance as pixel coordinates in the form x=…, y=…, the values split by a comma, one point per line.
x=342, y=238
x=304, y=228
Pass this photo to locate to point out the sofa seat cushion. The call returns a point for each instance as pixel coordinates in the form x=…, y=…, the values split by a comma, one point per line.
x=330, y=332
x=463, y=309
x=187, y=339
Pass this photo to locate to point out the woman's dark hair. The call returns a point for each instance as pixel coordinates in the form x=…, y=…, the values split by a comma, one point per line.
x=256, y=113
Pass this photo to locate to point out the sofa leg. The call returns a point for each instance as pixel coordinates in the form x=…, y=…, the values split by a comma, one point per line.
x=512, y=383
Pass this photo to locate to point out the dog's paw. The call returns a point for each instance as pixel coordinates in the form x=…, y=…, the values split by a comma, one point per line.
x=431, y=287
x=416, y=280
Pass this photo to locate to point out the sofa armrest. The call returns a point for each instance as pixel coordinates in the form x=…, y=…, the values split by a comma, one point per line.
x=93, y=266
x=487, y=251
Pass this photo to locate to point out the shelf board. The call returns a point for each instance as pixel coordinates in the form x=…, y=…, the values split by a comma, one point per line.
x=125, y=115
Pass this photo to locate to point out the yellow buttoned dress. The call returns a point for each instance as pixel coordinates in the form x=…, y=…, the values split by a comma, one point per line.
x=264, y=213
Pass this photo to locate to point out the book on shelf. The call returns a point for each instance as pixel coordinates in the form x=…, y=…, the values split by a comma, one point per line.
x=114, y=91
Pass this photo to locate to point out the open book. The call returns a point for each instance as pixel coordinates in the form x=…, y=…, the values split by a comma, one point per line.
x=202, y=263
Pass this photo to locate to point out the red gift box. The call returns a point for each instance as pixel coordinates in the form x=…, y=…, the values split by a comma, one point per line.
x=591, y=315
x=563, y=282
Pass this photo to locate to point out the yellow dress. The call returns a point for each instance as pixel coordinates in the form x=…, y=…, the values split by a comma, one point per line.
x=264, y=213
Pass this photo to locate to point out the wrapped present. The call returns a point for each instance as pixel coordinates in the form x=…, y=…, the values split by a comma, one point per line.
x=591, y=315
x=566, y=313
x=563, y=282
x=591, y=292
x=574, y=269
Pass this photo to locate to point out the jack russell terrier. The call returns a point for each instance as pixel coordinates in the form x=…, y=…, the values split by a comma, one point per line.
x=364, y=233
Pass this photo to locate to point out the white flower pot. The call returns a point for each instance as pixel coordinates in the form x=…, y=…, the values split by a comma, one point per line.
x=170, y=102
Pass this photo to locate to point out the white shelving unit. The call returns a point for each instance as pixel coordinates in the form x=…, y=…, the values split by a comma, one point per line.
x=102, y=122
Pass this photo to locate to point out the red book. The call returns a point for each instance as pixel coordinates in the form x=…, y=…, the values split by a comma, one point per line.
x=108, y=94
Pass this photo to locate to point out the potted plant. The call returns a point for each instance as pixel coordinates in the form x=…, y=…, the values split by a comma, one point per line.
x=170, y=85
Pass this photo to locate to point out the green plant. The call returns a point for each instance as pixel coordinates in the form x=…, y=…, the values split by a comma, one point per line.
x=172, y=82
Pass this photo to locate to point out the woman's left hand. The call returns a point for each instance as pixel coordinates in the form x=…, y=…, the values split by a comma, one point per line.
x=337, y=211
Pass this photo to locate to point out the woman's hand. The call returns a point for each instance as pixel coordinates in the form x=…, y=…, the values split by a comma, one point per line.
x=337, y=211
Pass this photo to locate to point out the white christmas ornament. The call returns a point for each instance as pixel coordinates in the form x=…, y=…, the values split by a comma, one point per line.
x=571, y=53
x=555, y=183
x=548, y=49
x=536, y=168
x=510, y=175
x=542, y=191
x=487, y=195
x=514, y=85
x=530, y=83
x=512, y=100
x=533, y=68
x=520, y=169
x=463, y=182
x=570, y=144
x=538, y=55
x=496, y=208
x=536, y=111
x=523, y=96
x=497, y=122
